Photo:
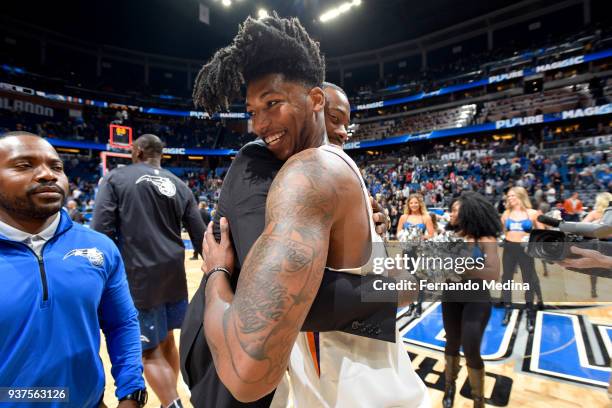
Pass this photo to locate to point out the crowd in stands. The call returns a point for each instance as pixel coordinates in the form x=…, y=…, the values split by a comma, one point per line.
x=550, y=172
x=548, y=177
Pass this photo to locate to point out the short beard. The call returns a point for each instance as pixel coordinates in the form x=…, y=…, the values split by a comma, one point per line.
x=25, y=208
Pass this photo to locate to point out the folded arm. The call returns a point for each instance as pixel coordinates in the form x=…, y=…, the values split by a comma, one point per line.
x=251, y=333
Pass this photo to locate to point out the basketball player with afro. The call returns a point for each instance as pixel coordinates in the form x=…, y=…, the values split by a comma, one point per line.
x=318, y=215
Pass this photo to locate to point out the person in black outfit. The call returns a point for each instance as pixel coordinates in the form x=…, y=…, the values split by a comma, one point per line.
x=465, y=315
x=206, y=219
x=242, y=202
x=338, y=305
x=142, y=207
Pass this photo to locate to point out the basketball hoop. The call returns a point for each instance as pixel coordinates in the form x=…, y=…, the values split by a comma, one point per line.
x=104, y=156
x=120, y=137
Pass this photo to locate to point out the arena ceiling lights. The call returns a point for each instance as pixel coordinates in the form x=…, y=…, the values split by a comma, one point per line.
x=341, y=9
x=261, y=13
x=227, y=3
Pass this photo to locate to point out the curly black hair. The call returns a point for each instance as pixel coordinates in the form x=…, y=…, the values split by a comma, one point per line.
x=477, y=217
x=272, y=45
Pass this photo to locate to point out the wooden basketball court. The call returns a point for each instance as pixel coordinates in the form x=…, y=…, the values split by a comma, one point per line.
x=508, y=376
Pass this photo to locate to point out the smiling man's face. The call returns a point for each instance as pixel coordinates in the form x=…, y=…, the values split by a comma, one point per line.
x=283, y=114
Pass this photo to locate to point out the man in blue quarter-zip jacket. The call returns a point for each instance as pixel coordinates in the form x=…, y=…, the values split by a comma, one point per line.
x=60, y=283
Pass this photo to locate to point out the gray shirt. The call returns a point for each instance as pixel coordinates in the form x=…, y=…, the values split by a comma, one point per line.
x=34, y=241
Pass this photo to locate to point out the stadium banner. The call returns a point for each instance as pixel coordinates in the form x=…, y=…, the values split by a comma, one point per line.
x=579, y=59
x=422, y=95
x=491, y=126
x=168, y=112
x=592, y=111
x=180, y=151
x=363, y=144
x=72, y=99
x=25, y=103
x=456, y=155
x=199, y=152
x=507, y=76
x=568, y=62
x=196, y=114
x=18, y=105
x=527, y=120
x=76, y=144
x=596, y=140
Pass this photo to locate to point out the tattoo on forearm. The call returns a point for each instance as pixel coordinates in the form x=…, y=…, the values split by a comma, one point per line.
x=289, y=262
x=265, y=319
x=283, y=270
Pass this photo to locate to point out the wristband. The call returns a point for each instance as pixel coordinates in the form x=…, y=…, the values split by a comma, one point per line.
x=140, y=397
x=212, y=271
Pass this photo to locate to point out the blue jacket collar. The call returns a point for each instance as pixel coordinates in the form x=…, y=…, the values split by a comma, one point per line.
x=64, y=225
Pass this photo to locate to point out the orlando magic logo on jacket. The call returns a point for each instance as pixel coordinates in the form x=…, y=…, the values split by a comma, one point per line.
x=164, y=185
x=93, y=255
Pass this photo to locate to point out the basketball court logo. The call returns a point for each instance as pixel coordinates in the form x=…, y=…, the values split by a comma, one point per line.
x=93, y=255
x=163, y=184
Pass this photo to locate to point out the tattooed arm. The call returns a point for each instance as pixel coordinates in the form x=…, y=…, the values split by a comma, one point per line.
x=251, y=333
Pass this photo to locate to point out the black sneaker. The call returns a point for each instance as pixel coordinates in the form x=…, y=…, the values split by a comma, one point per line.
x=507, y=316
x=418, y=310
x=530, y=324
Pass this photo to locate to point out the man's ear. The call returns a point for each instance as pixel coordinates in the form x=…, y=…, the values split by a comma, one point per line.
x=317, y=96
x=136, y=153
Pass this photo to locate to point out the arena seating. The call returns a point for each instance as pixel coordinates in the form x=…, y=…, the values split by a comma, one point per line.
x=414, y=124
x=550, y=101
x=482, y=64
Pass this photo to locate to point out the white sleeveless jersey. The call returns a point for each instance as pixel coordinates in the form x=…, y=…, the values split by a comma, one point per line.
x=353, y=371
